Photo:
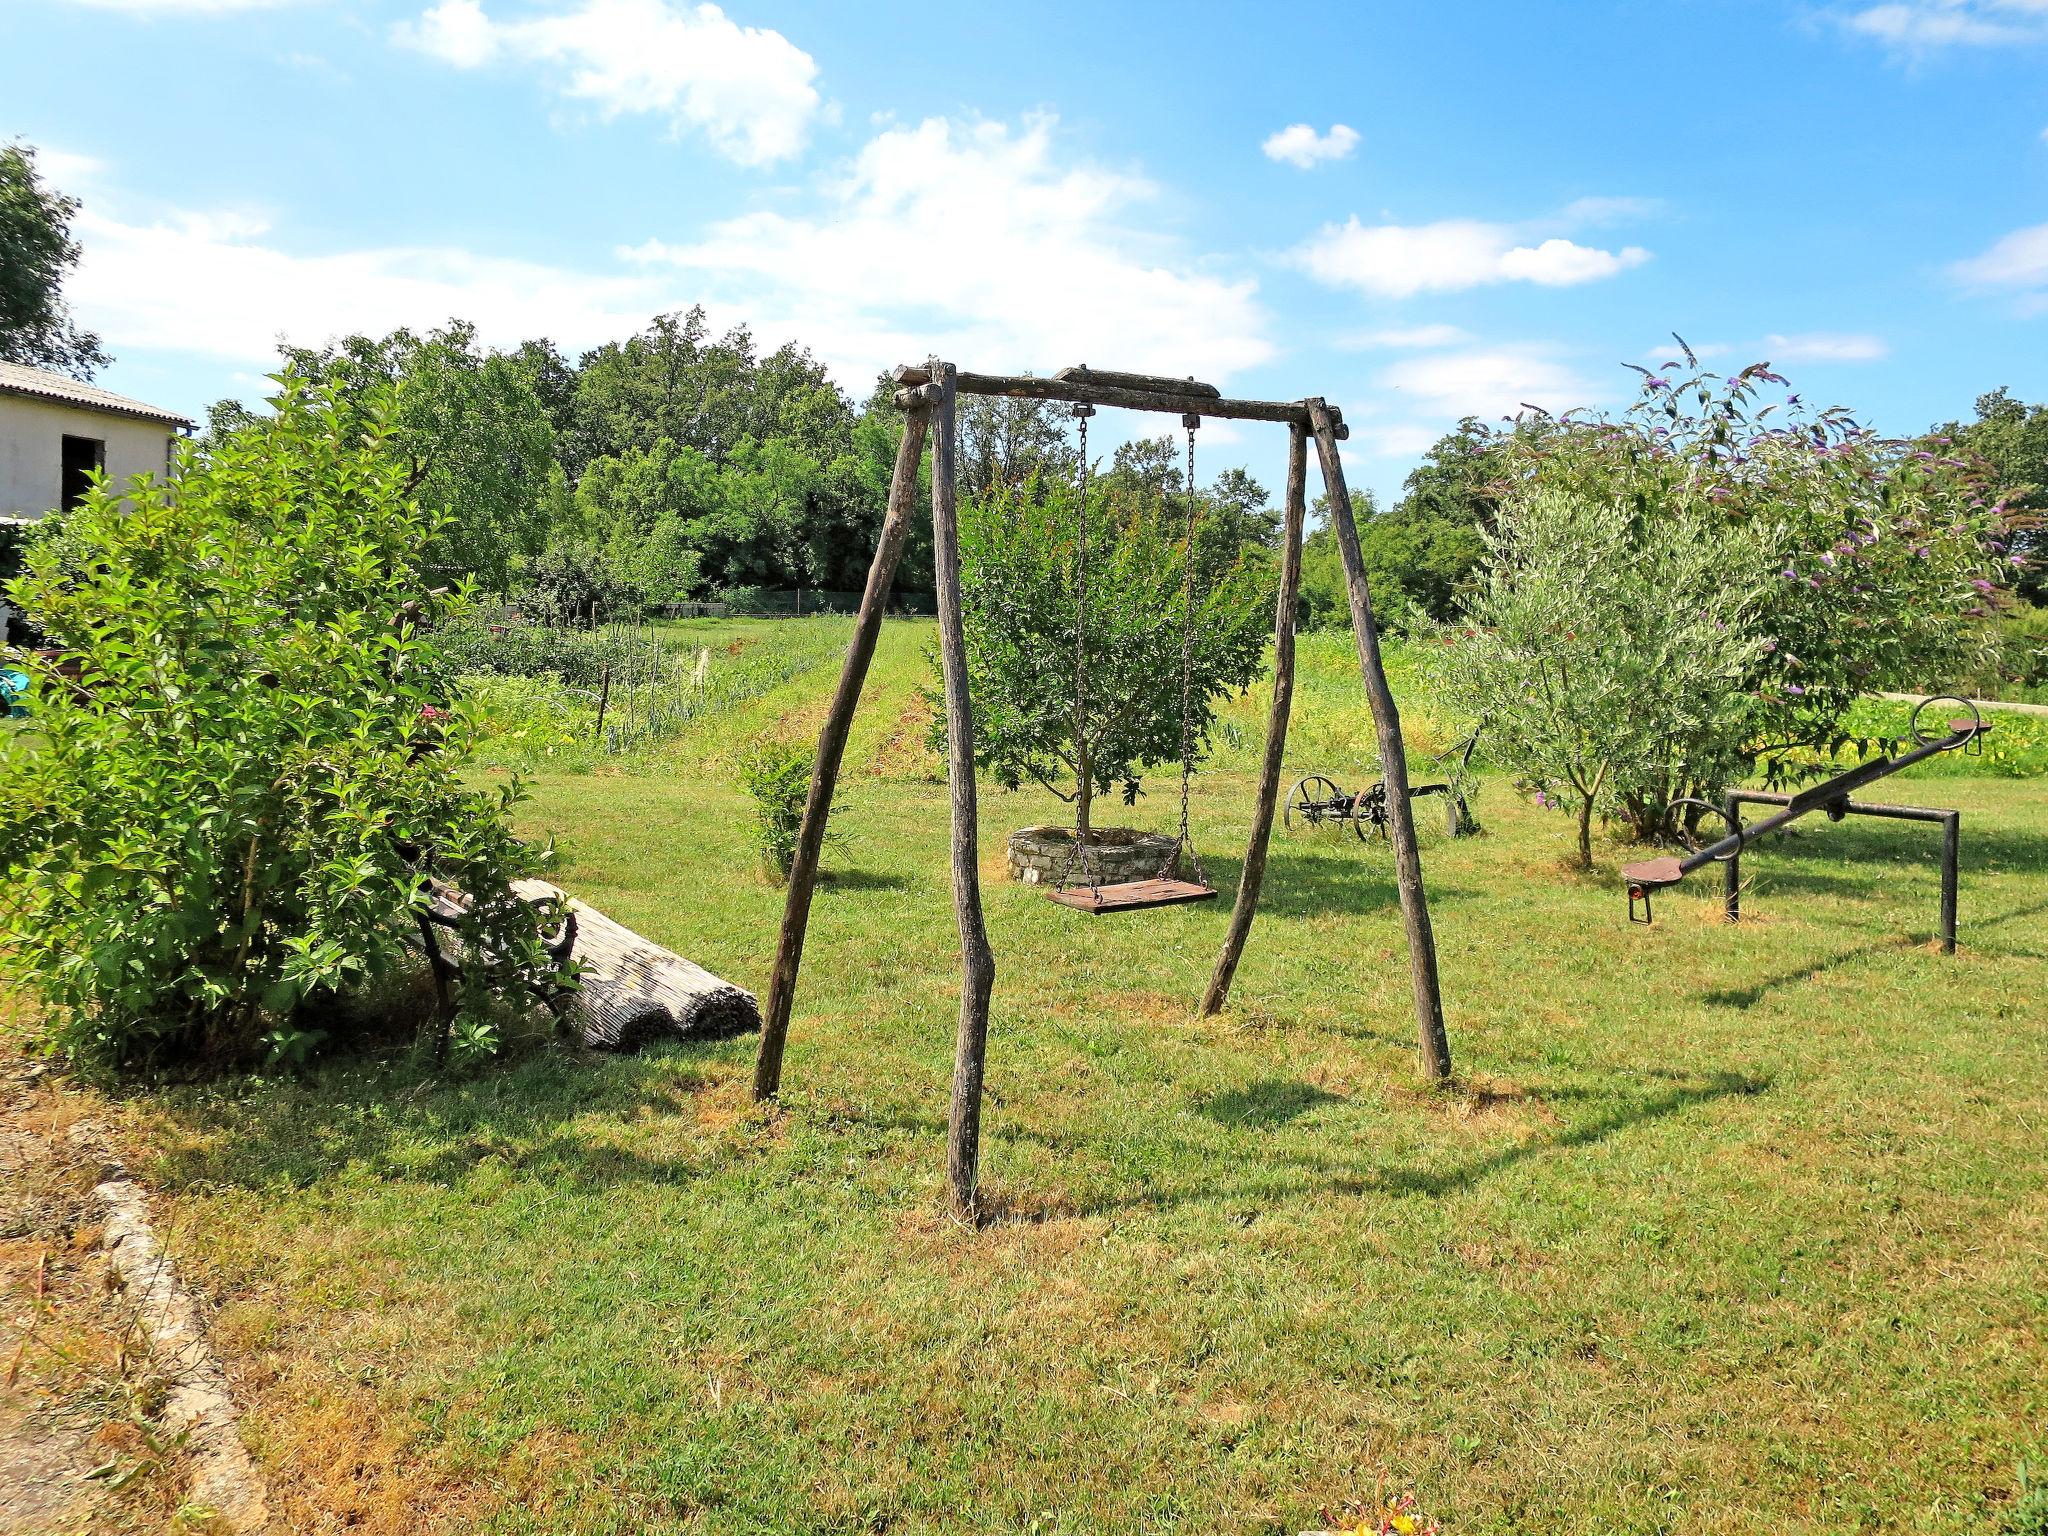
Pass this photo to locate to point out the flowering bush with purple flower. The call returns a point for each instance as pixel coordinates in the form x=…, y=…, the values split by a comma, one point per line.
x=1844, y=563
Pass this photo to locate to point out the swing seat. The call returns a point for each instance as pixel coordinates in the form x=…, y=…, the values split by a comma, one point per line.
x=1131, y=895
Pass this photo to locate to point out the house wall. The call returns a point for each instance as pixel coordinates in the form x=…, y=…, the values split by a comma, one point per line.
x=31, y=449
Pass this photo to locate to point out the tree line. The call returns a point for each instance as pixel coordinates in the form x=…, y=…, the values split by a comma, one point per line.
x=678, y=463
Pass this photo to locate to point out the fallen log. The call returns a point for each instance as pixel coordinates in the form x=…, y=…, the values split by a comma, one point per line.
x=630, y=991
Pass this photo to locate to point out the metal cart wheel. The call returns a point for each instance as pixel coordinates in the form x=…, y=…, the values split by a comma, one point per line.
x=1312, y=801
x=1369, y=812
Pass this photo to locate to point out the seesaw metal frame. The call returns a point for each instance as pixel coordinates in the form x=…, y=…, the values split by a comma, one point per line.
x=1832, y=798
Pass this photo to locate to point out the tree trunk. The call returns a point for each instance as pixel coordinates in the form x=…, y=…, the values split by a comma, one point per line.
x=632, y=991
x=1585, y=832
x=1084, y=806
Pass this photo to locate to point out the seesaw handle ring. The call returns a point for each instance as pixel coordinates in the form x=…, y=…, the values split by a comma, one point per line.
x=1921, y=738
x=1678, y=834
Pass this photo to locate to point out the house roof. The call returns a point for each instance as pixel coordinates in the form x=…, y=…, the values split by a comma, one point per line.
x=39, y=385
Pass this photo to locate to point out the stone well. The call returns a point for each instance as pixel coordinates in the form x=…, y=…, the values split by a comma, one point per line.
x=1038, y=854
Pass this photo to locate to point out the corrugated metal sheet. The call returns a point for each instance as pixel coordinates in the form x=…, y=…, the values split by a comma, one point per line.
x=35, y=383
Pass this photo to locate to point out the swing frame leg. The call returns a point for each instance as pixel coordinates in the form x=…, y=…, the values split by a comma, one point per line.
x=1432, y=1040
x=853, y=671
x=977, y=961
x=1253, y=878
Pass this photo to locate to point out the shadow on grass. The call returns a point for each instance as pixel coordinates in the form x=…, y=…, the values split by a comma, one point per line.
x=861, y=880
x=1749, y=996
x=1752, y=994
x=1350, y=877
x=545, y=1115
x=1308, y=1174
x=1264, y=1105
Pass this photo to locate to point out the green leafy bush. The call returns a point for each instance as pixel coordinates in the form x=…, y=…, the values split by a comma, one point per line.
x=577, y=657
x=244, y=764
x=2017, y=667
x=777, y=777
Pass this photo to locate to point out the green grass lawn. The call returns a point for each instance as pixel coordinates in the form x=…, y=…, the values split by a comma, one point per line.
x=1726, y=1228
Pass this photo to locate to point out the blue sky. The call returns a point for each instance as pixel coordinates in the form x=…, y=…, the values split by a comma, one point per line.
x=1419, y=211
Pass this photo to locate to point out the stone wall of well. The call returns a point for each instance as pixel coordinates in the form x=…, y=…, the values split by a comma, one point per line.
x=1038, y=854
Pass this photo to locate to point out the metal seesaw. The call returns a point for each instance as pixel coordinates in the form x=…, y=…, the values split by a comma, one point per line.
x=1831, y=796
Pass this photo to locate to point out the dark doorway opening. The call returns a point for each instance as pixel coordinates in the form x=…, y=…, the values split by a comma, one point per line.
x=82, y=456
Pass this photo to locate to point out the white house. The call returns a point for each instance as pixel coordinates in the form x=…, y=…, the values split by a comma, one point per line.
x=54, y=431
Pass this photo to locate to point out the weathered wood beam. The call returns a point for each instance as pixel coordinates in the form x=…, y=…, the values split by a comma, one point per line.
x=1429, y=1006
x=853, y=671
x=1153, y=383
x=977, y=963
x=1253, y=876
x=1029, y=387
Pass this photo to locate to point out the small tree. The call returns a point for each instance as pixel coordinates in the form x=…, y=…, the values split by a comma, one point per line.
x=244, y=762
x=1018, y=547
x=36, y=254
x=1590, y=675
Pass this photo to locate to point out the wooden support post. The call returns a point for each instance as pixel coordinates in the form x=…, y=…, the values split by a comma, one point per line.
x=1429, y=1005
x=977, y=964
x=1253, y=875
x=803, y=869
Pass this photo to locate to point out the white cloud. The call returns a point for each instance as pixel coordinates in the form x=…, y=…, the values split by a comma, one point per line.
x=1823, y=347
x=1917, y=27
x=1400, y=440
x=1559, y=263
x=214, y=285
x=65, y=170
x=1669, y=351
x=1405, y=338
x=1041, y=264
x=1301, y=146
x=2019, y=260
x=1045, y=270
x=1779, y=348
x=747, y=89
x=1397, y=260
x=456, y=32
x=1489, y=381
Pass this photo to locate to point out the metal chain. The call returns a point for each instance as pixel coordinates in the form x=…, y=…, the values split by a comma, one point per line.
x=1187, y=664
x=1081, y=413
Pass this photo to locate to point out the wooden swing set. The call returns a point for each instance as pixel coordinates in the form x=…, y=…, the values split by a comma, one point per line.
x=927, y=396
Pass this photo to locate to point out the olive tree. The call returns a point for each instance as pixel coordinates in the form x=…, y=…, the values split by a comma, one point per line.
x=1591, y=676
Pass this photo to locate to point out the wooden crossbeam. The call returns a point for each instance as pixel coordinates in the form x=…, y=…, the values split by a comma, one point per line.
x=1152, y=383
x=916, y=384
